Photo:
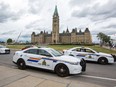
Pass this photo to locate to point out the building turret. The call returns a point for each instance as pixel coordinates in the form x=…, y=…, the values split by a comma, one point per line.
x=80, y=31
x=41, y=32
x=33, y=33
x=67, y=31
x=87, y=30
x=74, y=30
x=33, y=37
x=63, y=32
x=87, y=34
x=55, y=27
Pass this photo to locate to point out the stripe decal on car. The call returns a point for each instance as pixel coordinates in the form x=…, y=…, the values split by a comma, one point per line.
x=34, y=59
x=37, y=60
x=50, y=59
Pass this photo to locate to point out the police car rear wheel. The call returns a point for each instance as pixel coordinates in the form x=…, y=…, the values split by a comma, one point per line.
x=21, y=64
x=62, y=70
x=103, y=61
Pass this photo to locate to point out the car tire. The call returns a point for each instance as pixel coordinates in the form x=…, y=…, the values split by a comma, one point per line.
x=8, y=52
x=103, y=61
x=62, y=70
x=21, y=64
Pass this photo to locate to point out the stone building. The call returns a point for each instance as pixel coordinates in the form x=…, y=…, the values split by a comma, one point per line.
x=66, y=37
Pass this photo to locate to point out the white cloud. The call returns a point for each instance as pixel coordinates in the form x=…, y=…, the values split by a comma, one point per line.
x=36, y=15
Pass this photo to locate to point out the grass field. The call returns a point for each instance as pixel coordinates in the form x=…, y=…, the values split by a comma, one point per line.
x=62, y=47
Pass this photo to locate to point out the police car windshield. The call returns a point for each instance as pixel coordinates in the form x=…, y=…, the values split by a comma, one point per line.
x=55, y=53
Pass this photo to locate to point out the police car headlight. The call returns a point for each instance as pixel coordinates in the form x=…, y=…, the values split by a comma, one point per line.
x=109, y=56
x=76, y=63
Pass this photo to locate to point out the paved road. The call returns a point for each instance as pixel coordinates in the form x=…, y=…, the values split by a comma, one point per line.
x=104, y=75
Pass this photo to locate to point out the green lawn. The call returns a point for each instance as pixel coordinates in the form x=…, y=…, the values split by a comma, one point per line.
x=16, y=46
x=62, y=47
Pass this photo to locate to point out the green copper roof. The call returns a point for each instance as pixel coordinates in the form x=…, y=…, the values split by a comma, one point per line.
x=56, y=11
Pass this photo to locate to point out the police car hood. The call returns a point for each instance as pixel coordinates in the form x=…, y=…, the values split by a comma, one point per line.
x=68, y=58
x=103, y=54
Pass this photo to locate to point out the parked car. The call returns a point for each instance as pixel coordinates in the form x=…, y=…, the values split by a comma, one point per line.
x=4, y=50
x=48, y=58
x=90, y=55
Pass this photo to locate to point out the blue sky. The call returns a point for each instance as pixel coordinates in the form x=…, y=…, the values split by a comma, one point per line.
x=27, y=16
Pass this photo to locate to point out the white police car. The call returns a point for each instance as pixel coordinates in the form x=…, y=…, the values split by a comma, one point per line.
x=48, y=58
x=90, y=55
x=3, y=49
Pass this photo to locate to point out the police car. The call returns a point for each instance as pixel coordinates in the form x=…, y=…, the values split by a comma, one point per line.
x=48, y=58
x=90, y=55
x=3, y=49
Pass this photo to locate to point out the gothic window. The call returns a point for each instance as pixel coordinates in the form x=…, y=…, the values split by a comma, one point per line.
x=54, y=41
x=55, y=21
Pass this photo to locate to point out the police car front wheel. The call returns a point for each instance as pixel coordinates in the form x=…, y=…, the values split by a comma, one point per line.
x=21, y=64
x=62, y=70
x=103, y=61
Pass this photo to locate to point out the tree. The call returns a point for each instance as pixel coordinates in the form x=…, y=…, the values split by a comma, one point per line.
x=107, y=39
x=104, y=39
x=9, y=40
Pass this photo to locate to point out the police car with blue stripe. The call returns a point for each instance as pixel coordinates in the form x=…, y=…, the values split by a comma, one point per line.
x=91, y=55
x=48, y=58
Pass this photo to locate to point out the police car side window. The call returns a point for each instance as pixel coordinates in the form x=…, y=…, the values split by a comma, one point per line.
x=31, y=51
x=83, y=50
x=44, y=53
x=89, y=51
x=77, y=49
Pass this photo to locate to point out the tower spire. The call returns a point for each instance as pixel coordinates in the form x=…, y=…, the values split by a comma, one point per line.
x=67, y=31
x=56, y=11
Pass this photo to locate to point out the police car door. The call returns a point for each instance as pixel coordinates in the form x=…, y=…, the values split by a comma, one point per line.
x=31, y=57
x=79, y=53
x=46, y=59
x=90, y=55
x=75, y=52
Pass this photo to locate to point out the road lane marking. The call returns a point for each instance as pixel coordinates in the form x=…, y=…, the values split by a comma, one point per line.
x=97, y=77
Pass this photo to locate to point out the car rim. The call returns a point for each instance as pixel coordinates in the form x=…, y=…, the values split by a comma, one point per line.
x=62, y=70
x=21, y=64
x=103, y=61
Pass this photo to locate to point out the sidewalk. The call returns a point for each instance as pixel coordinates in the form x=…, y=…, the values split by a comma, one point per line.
x=13, y=77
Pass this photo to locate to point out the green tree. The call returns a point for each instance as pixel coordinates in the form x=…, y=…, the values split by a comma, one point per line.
x=9, y=40
x=107, y=39
x=104, y=39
